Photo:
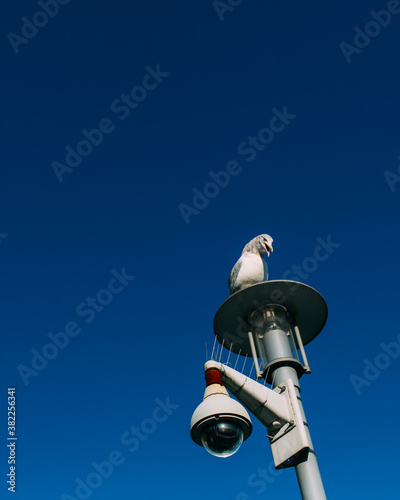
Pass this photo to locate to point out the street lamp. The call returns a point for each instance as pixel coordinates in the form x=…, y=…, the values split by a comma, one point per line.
x=270, y=321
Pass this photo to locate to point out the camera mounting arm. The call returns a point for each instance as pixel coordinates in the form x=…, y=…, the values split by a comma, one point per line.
x=267, y=405
x=278, y=409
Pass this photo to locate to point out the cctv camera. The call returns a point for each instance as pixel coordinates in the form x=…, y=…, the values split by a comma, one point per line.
x=220, y=423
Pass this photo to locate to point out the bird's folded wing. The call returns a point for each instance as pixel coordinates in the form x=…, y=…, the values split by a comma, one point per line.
x=234, y=274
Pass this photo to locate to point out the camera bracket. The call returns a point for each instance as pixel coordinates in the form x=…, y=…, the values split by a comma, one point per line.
x=278, y=409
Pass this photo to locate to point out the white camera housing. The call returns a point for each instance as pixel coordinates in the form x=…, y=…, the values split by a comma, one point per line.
x=220, y=423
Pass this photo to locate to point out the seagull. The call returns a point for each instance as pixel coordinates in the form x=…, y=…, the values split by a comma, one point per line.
x=251, y=268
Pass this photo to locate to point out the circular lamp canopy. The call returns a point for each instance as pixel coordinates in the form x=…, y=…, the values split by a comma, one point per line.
x=306, y=307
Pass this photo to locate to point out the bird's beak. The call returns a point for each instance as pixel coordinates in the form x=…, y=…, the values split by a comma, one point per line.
x=268, y=248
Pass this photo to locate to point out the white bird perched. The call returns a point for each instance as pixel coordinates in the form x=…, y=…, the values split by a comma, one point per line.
x=251, y=268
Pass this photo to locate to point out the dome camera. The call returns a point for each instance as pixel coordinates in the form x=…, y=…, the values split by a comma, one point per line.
x=220, y=424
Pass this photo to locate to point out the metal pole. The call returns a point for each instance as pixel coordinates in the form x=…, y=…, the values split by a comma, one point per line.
x=309, y=479
x=307, y=470
x=302, y=351
x=254, y=354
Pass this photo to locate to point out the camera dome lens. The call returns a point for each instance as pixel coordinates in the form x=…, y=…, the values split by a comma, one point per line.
x=222, y=439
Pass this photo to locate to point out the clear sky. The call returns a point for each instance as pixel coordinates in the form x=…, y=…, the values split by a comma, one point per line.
x=144, y=143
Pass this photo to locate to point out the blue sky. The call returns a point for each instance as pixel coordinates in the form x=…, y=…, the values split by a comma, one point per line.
x=143, y=145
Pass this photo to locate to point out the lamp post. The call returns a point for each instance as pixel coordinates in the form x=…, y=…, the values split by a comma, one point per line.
x=271, y=322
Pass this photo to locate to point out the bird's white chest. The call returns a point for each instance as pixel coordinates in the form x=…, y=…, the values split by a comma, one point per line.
x=253, y=269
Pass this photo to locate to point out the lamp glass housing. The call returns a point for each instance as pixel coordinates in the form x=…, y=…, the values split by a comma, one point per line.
x=273, y=334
